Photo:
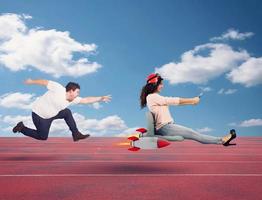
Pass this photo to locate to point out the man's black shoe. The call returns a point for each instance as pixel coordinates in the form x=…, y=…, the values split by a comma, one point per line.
x=79, y=136
x=18, y=127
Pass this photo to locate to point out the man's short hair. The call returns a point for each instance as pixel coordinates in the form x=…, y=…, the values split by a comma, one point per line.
x=72, y=86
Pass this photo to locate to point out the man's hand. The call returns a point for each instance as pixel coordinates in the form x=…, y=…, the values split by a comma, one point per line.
x=37, y=82
x=106, y=98
x=87, y=100
x=28, y=81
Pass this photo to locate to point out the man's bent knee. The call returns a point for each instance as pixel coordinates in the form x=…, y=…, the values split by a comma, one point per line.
x=67, y=111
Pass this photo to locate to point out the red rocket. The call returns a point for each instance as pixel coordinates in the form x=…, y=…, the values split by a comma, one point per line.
x=137, y=143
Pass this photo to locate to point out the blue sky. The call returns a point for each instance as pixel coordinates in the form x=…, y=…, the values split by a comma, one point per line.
x=132, y=39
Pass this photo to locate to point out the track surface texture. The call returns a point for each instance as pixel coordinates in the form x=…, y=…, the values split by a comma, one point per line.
x=98, y=168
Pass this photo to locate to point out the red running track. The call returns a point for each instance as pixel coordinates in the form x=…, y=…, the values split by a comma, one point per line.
x=97, y=168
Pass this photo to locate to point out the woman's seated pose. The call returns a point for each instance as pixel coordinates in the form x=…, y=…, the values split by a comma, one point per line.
x=165, y=126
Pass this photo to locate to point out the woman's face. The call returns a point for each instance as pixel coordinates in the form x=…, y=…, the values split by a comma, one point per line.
x=159, y=87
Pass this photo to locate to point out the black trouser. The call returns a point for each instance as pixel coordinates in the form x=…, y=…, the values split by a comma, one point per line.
x=43, y=125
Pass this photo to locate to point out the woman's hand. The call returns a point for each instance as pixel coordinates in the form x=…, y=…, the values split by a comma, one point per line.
x=189, y=101
x=196, y=100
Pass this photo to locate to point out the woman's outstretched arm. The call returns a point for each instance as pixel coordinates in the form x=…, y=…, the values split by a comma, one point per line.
x=189, y=101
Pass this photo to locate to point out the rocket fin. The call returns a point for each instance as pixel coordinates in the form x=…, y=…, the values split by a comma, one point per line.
x=141, y=130
x=134, y=149
x=133, y=138
x=162, y=143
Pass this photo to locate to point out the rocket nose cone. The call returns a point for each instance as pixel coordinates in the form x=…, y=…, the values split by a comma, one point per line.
x=162, y=143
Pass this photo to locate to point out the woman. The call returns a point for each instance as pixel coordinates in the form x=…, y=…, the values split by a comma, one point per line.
x=164, y=123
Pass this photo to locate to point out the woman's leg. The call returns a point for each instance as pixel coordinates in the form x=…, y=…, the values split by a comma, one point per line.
x=187, y=133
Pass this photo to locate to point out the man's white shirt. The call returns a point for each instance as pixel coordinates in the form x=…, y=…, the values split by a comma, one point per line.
x=53, y=101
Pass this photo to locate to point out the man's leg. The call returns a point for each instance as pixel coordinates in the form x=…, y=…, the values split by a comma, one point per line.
x=66, y=114
x=42, y=126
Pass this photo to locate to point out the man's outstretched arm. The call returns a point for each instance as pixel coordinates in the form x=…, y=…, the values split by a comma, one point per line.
x=87, y=100
x=37, y=82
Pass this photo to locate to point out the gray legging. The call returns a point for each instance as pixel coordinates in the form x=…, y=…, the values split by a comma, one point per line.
x=172, y=129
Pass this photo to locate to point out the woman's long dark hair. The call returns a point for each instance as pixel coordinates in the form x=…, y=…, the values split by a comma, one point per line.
x=149, y=88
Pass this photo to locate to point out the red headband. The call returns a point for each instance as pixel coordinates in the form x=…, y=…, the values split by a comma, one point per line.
x=152, y=78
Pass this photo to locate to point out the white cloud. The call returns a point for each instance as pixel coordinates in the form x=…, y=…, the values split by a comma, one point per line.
x=226, y=92
x=233, y=35
x=251, y=122
x=208, y=61
x=199, y=69
x=248, y=74
x=247, y=123
x=49, y=51
x=231, y=91
x=221, y=91
x=96, y=106
x=12, y=120
x=11, y=24
x=205, y=89
x=205, y=130
x=232, y=124
x=17, y=100
x=113, y=122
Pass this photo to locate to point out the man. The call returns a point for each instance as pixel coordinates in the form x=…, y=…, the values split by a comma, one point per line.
x=53, y=105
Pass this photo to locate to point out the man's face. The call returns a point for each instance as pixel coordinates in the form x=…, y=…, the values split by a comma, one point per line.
x=72, y=94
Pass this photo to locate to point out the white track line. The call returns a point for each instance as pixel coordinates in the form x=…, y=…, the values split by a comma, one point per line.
x=121, y=175
x=129, y=153
x=126, y=161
